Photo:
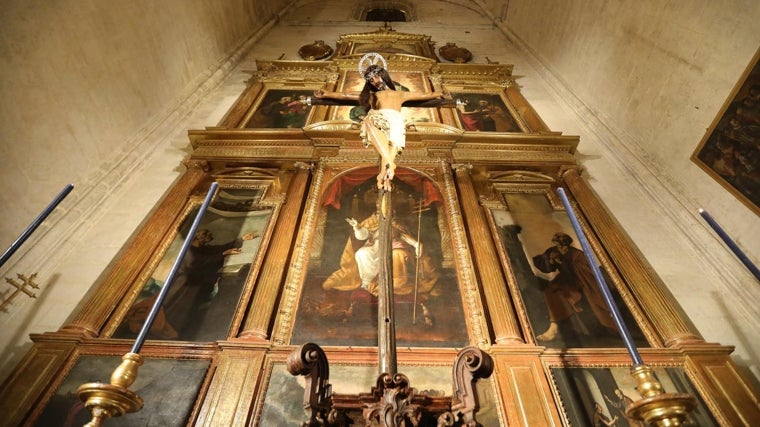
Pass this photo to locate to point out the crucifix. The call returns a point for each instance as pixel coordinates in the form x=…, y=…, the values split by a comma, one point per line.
x=383, y=126
x=392, y=401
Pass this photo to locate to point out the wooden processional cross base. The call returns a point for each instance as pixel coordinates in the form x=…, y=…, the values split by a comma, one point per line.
x=392, y=402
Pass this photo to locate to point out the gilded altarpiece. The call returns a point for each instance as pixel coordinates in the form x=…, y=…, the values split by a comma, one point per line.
x=477, y=229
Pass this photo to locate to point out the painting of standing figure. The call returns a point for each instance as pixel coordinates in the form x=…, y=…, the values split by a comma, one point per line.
x=339, y=299
x=564, y=303
x=209, y=280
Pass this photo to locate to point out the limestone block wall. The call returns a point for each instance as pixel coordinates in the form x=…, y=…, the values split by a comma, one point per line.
x=100, y=95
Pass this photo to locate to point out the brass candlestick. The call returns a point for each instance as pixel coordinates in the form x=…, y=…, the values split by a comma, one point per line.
x=115, y=399
x=657, y=407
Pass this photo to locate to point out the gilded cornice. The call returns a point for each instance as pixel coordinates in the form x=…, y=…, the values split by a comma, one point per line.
x=306, y=71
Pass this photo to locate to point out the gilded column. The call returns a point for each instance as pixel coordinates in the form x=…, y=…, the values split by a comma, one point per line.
x=274, y=268
x=648, y=288
x=110, y=290
x=502, y=318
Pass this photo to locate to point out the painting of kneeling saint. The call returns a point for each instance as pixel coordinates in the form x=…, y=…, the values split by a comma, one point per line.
x=208, y=283
x=339, y=299
x=564, y=302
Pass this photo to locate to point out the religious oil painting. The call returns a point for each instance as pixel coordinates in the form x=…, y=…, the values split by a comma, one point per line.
x=386, y=47
x=599, y=396
x=209, y=280
x=730, y=150
x=168, y=387
x=282, y=109
x=563, y=301
x=484, y=112
x=339, y=298
x=284, y=396
x=407, y=82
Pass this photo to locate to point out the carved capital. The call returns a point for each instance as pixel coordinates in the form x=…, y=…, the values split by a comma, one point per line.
x=197, y=164
x=461, y=167
x=303, y=166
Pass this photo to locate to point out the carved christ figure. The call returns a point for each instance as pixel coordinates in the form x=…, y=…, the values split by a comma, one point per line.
x=384, y=126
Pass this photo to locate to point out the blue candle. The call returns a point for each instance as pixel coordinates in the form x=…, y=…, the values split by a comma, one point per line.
x=730, y=243
x=36, y=223
x=170, y=278
x=622, y=328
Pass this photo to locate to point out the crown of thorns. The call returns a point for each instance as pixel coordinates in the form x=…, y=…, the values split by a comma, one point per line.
x=366, y=63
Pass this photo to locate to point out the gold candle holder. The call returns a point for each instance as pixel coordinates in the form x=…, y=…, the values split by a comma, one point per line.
x=115, y=399
x=657, y=407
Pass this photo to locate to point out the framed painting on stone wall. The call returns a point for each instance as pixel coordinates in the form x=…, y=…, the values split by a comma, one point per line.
x=564, y=305
x=168, y=387
x=338, y=301
x=598, y=396
x=730, y=150
x=412, y=81
x=205, y=293
x=485, y=112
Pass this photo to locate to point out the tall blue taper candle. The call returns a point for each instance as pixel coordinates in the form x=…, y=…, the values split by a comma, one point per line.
x=730, y=243
x=170, y=278
x=622, y=328
x=36, y=223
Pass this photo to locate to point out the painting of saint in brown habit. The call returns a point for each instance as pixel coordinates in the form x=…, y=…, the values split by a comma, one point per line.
x=564, y=302
x=207, y=286
x=339, y=299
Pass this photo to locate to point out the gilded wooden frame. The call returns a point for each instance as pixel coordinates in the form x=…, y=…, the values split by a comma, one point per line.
x=595, y=377
x=107, y=357
x=259, y=181
x=385, y=40
x=519, y=183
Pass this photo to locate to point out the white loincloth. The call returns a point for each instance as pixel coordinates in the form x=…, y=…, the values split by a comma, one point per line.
x=388, y=121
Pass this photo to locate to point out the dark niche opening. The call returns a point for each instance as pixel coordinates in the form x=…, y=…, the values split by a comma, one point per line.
x=385, y=15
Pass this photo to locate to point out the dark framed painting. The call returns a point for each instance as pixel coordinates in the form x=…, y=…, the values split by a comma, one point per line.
x=282, y=109
x=282, y=404
x=730, y=150
x=565, y=306
x=338, y=302
x=169, y=388
x=412, y=81
x=595, y=396
x=484, y=112
x=208, y=284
